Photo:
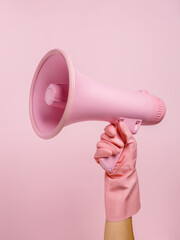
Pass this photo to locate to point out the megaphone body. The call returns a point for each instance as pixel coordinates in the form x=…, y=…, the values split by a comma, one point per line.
x=60, y=95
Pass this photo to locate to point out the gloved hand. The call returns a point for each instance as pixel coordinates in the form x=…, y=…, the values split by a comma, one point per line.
x=122, y=198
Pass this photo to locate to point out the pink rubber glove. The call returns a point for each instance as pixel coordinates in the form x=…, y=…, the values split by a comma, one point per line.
x=122, y=198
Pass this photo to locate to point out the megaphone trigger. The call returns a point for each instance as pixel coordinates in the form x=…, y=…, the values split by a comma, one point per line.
x=133, y=124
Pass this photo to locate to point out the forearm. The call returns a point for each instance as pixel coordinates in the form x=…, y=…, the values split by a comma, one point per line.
x=121, y=188
x=121, y=230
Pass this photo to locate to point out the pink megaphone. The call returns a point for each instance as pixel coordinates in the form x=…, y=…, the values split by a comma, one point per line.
x=61, y=96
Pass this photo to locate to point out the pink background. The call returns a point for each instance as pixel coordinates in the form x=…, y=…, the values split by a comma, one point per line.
x=53, y=189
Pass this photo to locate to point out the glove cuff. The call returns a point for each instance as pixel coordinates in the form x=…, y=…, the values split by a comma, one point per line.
x=122, y=197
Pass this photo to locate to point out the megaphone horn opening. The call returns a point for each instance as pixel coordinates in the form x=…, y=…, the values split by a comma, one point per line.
x=51, y=94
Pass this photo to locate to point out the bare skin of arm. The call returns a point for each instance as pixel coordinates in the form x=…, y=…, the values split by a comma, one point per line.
x=122, y=230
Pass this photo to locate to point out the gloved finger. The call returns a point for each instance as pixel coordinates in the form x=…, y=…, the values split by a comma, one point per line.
x=115, y=140
x=125, y=133
x=108, y=145
x=102, y=152
x=110, y=130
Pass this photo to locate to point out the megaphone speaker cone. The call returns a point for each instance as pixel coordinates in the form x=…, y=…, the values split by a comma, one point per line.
x=51, y=93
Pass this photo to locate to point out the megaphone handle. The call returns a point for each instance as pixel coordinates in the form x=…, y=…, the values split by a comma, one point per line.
x=109, y=163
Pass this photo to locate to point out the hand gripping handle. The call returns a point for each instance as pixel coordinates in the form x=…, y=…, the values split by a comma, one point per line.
x=109, y=163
